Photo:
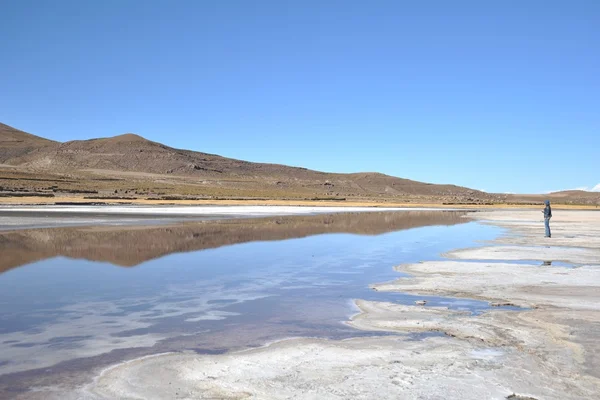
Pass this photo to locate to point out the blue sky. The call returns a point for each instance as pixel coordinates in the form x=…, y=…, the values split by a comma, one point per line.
x=502, y=96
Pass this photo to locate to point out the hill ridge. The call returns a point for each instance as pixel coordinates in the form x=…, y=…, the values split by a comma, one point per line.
x=133, y=157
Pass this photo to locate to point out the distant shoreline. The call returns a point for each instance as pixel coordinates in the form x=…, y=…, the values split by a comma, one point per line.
x=67, y=200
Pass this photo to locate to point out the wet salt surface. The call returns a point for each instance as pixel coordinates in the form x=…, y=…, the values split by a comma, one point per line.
x=242, y=295
x=13, y=218
x=549, y=263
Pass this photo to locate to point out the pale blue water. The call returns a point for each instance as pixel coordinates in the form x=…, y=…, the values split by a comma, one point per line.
x=240, y=295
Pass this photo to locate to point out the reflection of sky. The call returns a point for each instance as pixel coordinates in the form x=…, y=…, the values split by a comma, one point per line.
x=62, y=309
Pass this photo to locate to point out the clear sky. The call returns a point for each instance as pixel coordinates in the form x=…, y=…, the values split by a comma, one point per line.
x=502, y=96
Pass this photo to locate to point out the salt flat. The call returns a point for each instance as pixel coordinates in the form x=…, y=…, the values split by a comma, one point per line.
x=547, y=350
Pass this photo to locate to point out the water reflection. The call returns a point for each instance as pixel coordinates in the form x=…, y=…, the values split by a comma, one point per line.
x=132, y=245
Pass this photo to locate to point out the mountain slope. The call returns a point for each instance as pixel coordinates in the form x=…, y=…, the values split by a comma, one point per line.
x=15, y=143
x=130, y=152
x=133, y=155
x=580, y=197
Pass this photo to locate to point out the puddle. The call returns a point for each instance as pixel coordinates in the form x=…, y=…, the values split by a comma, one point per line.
x=418, y=336
x=474, y=307
x=558, y=264
x=487, y=354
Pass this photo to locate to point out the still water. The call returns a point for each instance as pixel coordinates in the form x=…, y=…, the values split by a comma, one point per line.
x=75, y=298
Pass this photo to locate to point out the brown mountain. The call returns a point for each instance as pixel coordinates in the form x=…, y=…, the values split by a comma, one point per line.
x=148, y=167
x=15, y=143
x=579, y=197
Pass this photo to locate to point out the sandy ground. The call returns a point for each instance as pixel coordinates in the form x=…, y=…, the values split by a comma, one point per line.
x=33, y=200
x=548, y=350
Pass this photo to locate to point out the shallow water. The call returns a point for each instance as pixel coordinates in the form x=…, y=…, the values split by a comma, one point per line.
x=67, y=312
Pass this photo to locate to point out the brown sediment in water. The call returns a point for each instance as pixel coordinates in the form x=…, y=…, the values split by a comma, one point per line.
x=129, y=246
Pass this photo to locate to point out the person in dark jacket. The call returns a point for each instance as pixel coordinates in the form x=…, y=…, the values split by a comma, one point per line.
x=547, y=215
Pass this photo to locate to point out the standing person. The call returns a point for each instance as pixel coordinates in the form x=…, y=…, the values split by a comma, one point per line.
x=547, y=215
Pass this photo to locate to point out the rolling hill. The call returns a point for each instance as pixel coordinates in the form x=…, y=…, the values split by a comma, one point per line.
x=15, y=143
x=140, y=162
x=131, y=167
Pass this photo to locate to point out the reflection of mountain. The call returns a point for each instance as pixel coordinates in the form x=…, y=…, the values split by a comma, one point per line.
x=131, y=245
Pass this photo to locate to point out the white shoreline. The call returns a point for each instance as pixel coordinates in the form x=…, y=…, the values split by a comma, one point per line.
x=206, y=210
x=56, y=216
